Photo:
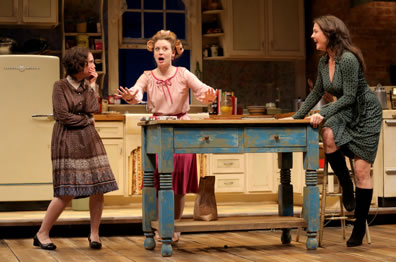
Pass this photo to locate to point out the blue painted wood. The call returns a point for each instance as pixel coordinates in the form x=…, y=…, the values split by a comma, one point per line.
x=167, y=137
x=311, y=158
x=311, y=207
x=166, y=214
x=275, y=137
x=165, y=156
x=149, y=202
x=206, y=137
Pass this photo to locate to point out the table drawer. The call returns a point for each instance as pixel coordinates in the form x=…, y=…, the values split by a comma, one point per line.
x=275, y=137
x=206, y=137
x=230, y=183
x=227, y=163
x=110, y=129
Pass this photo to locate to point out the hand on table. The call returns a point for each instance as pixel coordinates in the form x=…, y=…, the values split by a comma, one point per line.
x=315, y=120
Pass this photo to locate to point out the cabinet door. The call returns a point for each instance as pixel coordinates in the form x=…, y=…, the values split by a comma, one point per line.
x=286, y=28
x=9, y=11
x=114, y=149
x=246, y=33
x=40, y=11
x=260, y=168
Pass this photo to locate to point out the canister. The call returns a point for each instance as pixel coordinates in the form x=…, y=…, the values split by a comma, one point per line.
x=82, y=40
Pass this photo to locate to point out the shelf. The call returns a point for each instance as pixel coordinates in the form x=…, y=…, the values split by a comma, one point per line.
x=213, y=12
x=215, y=58
x=89, y=34
x=213, y=35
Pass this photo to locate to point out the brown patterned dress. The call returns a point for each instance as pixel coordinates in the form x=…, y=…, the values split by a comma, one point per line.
x=79, y=161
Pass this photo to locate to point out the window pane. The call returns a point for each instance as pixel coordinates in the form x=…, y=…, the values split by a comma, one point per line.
x=133, y=4
x=174, y=5
x=177, y=24
x=131, y=25
x=153, y=22
x=153, y=4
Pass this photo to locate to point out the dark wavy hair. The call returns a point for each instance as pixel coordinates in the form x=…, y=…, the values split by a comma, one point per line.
x=75, y=59
x=338, y=37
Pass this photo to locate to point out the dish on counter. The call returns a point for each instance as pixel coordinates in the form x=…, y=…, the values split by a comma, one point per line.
x=256, y=110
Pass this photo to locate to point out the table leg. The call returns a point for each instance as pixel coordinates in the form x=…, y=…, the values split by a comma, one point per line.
x=166, y=213
x=311, y=208
x=285, y=192
x=149, y=202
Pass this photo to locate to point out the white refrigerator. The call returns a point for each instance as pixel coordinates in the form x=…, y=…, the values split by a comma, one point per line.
x=26, y=83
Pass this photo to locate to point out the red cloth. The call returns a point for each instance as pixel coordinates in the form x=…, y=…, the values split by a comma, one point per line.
x=184, y=176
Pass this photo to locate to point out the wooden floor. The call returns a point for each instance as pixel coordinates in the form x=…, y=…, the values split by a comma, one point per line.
x=217, y=246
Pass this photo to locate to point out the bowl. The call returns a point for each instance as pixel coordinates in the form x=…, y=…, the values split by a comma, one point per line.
x=256, y=110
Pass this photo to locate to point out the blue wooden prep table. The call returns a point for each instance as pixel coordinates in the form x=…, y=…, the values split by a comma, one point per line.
x=166, y=137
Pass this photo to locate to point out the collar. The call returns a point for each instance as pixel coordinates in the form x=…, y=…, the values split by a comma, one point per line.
x=73, y=82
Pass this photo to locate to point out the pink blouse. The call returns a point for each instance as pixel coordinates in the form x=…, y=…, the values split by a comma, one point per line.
x=170, y=96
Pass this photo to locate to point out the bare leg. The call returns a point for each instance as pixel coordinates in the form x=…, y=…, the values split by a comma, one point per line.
x=179, y=208
x=54, y=210
x=362, y=174
x=328, y=140
x=95, y=210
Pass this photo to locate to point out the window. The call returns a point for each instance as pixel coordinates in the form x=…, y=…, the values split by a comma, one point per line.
x=141, y=19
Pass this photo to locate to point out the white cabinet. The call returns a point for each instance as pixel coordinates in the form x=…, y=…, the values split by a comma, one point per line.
x=253, y=172
x=112, y=135
x=286, y=28
x=229, y=170
x=265, y=28
x=246, y=30
x=260, y=169
x=43, y=13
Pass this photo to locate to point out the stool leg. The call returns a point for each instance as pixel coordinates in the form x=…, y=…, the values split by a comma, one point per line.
x=342, y=215
x=368, y=236
x=323, y=204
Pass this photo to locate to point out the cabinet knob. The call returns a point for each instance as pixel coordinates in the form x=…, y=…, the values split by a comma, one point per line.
x=206, y=139
x=277, y=137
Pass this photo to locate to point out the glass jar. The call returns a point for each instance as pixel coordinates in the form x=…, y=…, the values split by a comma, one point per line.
x=226, y=104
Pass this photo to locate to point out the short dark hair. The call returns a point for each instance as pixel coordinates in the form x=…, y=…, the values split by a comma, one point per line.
x=75, y=59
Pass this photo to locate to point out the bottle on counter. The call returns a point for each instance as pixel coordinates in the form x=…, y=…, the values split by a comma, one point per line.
x=198, y=72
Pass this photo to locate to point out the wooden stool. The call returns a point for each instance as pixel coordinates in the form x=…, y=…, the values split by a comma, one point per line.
x=333, y=216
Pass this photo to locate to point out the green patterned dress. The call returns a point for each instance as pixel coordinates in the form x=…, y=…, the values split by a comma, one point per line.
x=356, y=116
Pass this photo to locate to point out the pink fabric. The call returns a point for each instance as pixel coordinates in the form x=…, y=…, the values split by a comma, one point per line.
x=169, y=96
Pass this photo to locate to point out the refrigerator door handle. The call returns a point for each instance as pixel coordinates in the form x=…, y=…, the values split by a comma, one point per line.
x=49, y=116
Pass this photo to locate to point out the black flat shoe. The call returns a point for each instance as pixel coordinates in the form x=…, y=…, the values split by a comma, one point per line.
x=94, y=244
x=37, y=243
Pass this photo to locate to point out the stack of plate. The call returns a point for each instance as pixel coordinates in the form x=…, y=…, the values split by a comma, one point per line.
x=256, y=110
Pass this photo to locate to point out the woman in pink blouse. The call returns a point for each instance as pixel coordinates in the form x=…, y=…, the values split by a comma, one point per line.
x=167, y=90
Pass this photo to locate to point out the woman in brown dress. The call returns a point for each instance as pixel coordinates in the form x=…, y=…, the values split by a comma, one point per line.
x=79, y=161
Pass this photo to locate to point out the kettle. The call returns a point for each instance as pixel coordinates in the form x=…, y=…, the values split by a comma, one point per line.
x=381, y=95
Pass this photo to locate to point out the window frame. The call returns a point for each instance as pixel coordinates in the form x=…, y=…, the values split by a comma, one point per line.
x=140, y=43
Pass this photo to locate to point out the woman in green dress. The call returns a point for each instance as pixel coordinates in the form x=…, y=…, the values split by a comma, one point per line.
x=351, y=124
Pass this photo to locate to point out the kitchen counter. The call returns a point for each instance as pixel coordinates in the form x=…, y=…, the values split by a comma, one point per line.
x=109, y=117
x=139, y=109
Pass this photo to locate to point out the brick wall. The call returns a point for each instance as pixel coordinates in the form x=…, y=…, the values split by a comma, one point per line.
x=373, y=30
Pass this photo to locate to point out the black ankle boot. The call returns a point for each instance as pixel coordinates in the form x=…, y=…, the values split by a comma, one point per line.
x=363, y=201
x=337, y=163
